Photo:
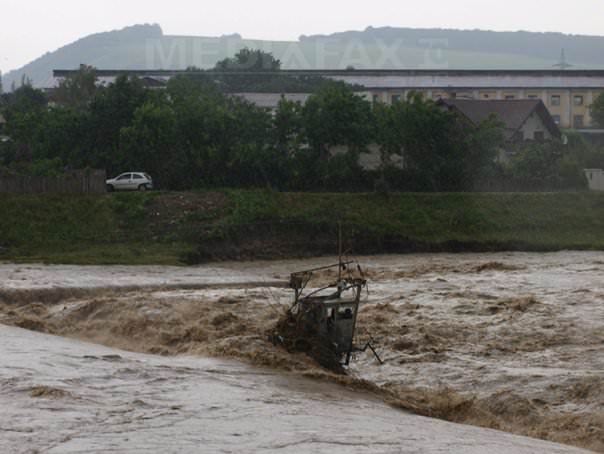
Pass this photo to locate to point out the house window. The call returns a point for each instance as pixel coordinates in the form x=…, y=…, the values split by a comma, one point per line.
x=555, y=101
x=539, y=136
x=533, y=97
x=578, y=121
x=396, y=99
x=509, y=97
x=578, y=100
x=556, y=119
x=485, y=96
x=376, y=99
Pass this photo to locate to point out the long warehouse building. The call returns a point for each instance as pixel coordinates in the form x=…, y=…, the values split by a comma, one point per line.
x=567, y=94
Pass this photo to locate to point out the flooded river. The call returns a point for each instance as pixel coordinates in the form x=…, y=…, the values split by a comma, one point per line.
x=513, y=342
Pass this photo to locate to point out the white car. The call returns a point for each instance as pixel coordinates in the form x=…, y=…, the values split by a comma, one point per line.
x=131, y=181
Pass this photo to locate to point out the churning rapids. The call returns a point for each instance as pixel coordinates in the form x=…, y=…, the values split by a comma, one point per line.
x=179, y=360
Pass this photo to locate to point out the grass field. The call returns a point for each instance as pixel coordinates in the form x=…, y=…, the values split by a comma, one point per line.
x=171, y=228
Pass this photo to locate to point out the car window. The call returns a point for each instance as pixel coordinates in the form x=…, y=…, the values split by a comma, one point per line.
x=125, y=176
x=136, y=176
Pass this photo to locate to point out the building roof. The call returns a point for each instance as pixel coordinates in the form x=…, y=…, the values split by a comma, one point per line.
x=512, y=112
x=154, y=82
x=365, y=72
x=415, y=79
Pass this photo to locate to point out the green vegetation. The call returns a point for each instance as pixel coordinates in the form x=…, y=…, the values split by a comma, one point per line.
x=195, y=135
x=177, y=228
x=79, y=230
x=554, y=165
x=597, y=110
x=192, y=135
x=254, y=71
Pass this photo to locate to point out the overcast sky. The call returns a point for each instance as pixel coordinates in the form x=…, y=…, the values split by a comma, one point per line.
x=30, y=28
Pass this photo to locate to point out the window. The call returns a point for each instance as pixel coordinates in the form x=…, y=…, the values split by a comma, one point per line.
x=485, y=96
x=533, y=97
x=345, y=313
x=125, y=176
x=136, y=176
x=578, y=100
x=578, y=121
x=539, y=136
x=555, y=101
x=509, y=97
x=556, y=119
x=396, y=98
x=376, y=99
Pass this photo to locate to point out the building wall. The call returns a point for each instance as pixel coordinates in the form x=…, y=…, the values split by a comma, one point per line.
x=565, y=112
x=533, y=125
x=595, y=177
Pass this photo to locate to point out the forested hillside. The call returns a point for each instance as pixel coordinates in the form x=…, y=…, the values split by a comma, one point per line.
x=147, y=47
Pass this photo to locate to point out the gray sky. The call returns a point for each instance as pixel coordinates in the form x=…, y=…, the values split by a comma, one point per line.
x=30, y=28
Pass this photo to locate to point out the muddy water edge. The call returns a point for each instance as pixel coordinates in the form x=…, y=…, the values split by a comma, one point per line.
x=506, y=341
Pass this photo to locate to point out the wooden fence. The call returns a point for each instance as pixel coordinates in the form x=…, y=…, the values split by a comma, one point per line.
x=76, y=182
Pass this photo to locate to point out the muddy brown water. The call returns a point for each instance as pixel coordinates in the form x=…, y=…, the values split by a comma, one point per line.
x=507, y=341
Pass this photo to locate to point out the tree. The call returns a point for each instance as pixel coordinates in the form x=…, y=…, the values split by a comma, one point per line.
x=335, y=115
x=287, y=127
x=549, y=165
x=204, y=121
x=335, y=121
x=483, y=143
x=597, y=110
x=109, y=111
x=151, y=143
x=426, y=137
x=249, y=60
x=78, y=89
x=439, y=152
x=253, y=161
x=24, y=100
x=258, y=71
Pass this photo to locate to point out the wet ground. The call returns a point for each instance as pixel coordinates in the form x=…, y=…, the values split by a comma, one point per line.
x=507, y=341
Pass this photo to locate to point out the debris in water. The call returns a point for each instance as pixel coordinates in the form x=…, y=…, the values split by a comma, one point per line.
x=47, y=392
x=322, y=322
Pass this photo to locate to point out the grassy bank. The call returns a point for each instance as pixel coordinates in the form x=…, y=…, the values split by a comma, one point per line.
x=174, y=228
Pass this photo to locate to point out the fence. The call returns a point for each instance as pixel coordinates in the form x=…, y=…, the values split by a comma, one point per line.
x=76, y=182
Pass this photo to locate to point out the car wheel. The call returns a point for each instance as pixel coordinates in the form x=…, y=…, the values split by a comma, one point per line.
x=142, y=188
x=110, y=188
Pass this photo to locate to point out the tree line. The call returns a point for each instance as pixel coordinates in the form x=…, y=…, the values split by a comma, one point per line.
x=194, y=134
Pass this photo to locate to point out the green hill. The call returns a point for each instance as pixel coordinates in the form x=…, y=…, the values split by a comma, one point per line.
x=147, y=47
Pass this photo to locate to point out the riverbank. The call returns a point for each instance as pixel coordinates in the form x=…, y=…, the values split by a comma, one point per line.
x=196, y=227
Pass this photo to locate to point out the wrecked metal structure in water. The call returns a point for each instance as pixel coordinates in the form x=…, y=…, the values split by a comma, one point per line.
x=322, y=321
